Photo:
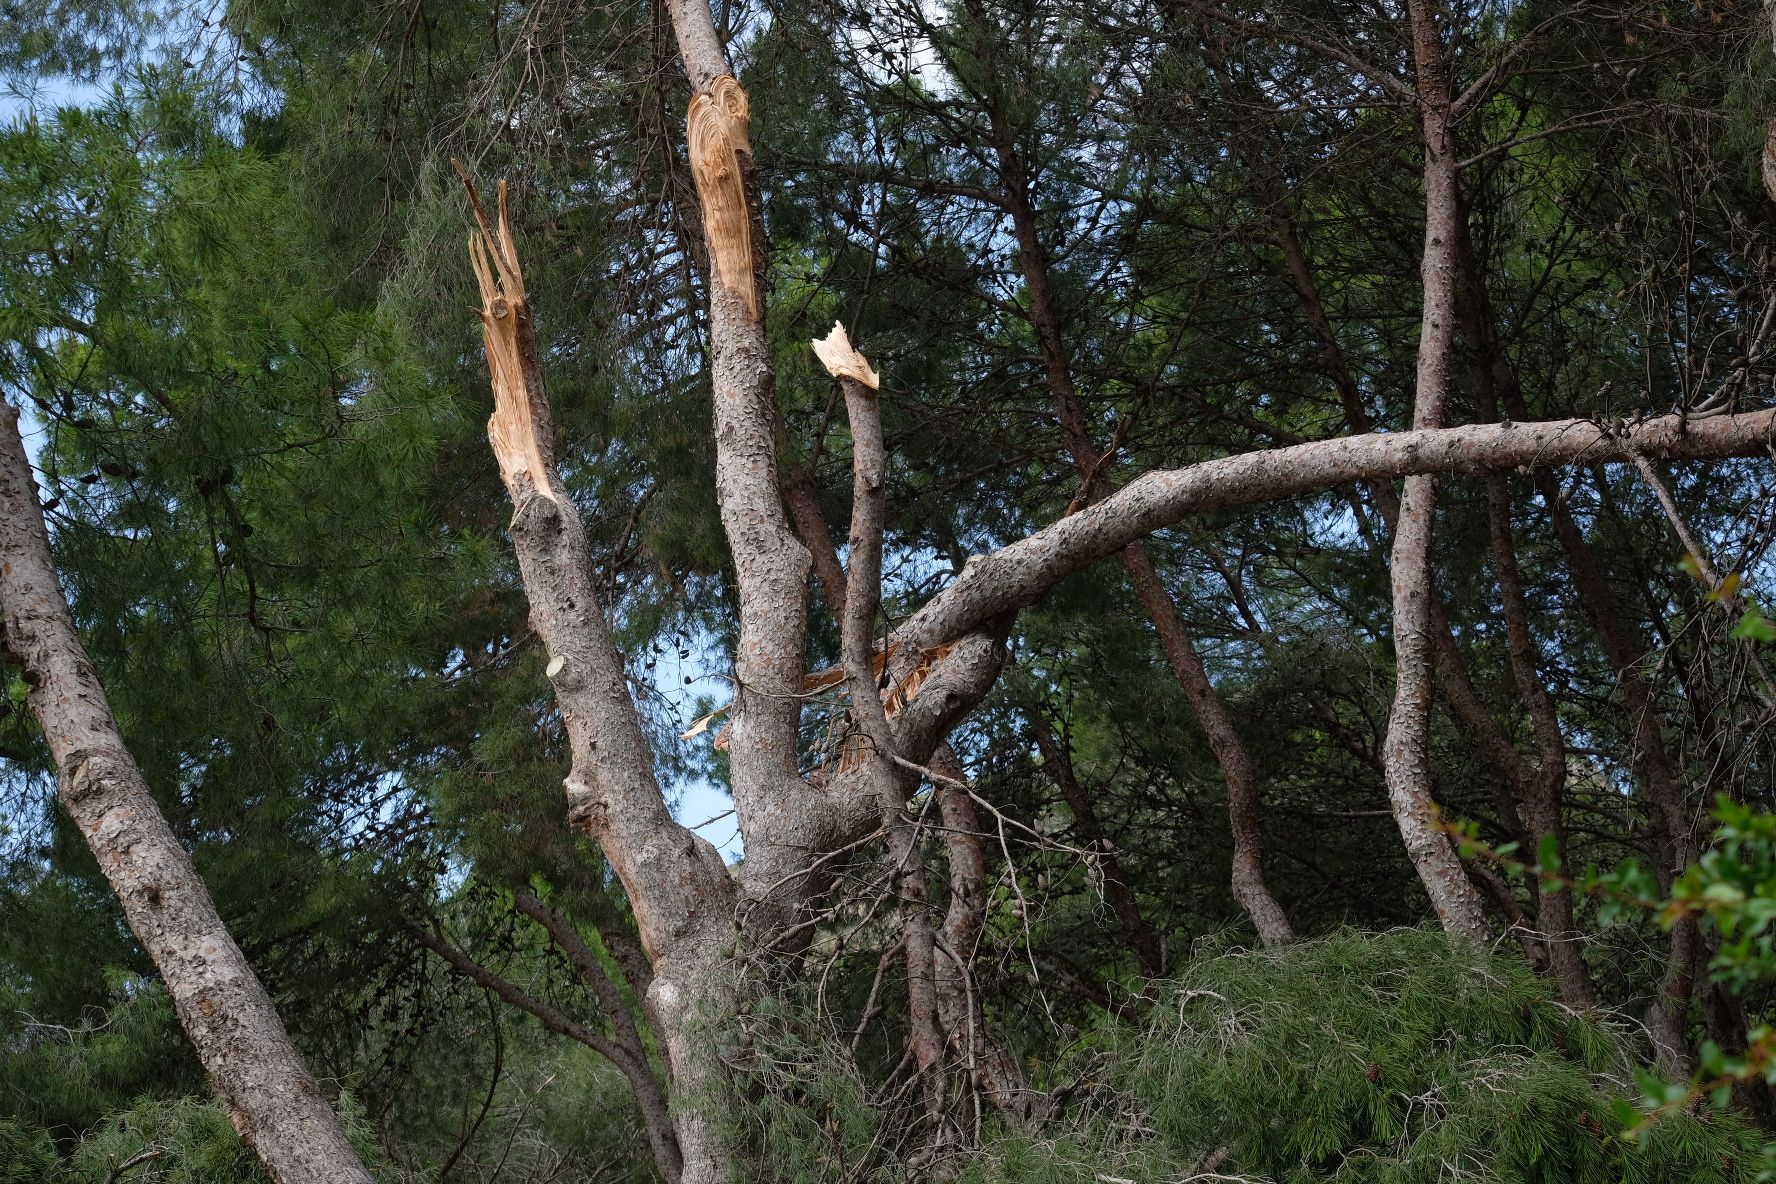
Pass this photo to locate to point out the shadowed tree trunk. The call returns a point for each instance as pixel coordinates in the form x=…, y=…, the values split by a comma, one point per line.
x=1667, y=816
x=1540, y=789
x=1407, y=750
x=1057, y=762
x=269, y=1094
x=1238, y=772
x=996, y=1072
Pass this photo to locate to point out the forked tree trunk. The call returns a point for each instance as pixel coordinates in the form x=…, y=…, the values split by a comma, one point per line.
x=269, y=1094
x=776, y=809
x=685, y=902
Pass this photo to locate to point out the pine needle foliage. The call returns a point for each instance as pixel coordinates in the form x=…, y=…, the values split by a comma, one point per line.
x=1362, y=1058
x=1393, y=1058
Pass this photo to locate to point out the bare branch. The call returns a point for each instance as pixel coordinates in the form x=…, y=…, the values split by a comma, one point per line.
x=1020, y=573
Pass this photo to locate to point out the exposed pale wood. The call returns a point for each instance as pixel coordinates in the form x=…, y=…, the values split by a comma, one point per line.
x=680, y=891
x=520, y=407
x=842, y=361
x=719, y=131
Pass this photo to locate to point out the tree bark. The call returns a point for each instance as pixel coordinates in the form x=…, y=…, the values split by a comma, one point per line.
x=783, y=818
x=1669, y=818
x=681, y=894
x=1558, y=931
x=1407, y=750
x=995, y=1070
x=1463, y=701
x=1510, y=773
x=269, y=1094
x=1019, y=573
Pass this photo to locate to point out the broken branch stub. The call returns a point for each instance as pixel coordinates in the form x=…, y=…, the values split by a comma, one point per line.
x=718, y=128
x=842, y=360
x=520, y=422
x=897, y=692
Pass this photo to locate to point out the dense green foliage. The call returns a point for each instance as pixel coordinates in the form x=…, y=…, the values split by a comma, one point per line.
x=234, y=309
x=1394, y=1058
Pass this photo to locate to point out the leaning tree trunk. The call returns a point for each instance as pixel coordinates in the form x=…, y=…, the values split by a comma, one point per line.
x=270, y=1096
x=1238, y=771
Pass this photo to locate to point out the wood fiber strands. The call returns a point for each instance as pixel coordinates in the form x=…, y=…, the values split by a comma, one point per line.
x=719, y=132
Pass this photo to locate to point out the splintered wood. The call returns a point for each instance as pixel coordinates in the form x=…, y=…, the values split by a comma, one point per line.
x=718, y=129
x=844, y=739
x=842, y=360
x=520, y=410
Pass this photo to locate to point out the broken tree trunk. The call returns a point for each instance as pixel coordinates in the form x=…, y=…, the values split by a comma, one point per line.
x=783, y=817
x=682, y=896
x=269, y=1094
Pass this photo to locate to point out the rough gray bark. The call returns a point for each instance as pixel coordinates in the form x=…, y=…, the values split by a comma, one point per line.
x=1018, y=574
x=887, y=781
x=682, y=896
x=1465, y=705
x=783, y=817
x=268, y=1092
